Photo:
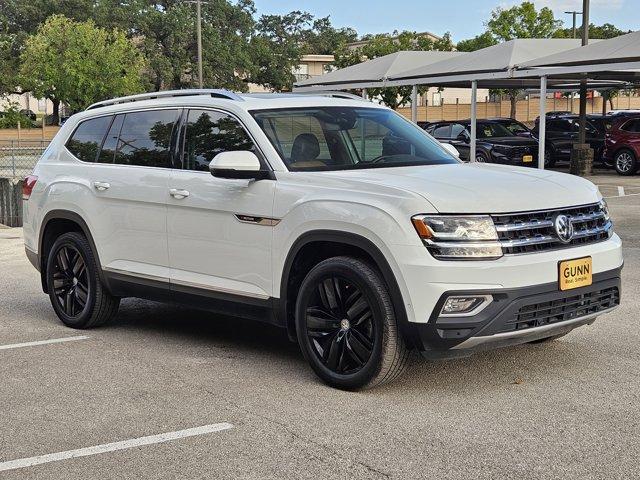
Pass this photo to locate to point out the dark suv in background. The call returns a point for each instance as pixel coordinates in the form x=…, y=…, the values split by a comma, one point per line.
x=562, y=132
x=494, y=142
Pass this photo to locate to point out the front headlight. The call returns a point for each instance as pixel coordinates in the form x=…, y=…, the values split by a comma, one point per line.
x=458, y=237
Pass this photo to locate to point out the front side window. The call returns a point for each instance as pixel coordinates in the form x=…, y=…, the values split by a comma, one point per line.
x=145, y=138
x=87, y=138
x=338, y=138
x=209, y=133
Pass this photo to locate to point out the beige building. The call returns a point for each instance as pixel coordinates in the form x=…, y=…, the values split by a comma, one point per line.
x=310, y=66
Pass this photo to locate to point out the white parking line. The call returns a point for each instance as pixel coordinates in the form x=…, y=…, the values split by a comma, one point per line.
x=43, y=342
x=620, y=191
x=112, y=447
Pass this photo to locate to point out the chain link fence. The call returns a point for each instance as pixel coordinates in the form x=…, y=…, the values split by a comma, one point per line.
x=18, y=157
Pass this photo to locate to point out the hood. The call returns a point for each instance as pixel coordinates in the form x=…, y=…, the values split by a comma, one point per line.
x=482, y=188
x=510, y=141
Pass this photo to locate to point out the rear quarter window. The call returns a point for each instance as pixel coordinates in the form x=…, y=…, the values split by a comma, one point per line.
x=87, y=138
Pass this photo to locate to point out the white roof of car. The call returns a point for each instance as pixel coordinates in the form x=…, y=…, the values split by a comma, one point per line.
x=220, y=98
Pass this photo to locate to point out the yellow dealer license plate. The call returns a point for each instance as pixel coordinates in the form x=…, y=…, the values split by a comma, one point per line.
x=575, y=273
x=527, y=158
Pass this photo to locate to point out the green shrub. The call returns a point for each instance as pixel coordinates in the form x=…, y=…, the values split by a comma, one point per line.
x=11, y=115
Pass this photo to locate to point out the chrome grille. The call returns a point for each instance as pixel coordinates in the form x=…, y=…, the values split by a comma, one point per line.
x=529, y=232
x=562, y=309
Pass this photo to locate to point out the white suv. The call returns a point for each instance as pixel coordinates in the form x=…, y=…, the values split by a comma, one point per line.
x=331, y=217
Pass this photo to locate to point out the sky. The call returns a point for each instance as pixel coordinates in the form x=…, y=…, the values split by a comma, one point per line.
x=462, y=18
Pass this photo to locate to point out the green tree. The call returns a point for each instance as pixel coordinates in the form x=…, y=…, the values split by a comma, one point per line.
x=78, y=63
x=277, y=48
x=604, y=31
x=324, y=39
x=519, y=21
x=478, y=42
x=384, y=44
x=522, y=21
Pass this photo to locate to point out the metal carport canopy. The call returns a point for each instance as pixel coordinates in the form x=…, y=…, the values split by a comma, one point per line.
x=489, y=67
x=373, y=73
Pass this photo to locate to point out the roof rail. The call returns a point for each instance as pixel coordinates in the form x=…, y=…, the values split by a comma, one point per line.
x=332, y=94
x=213, y=92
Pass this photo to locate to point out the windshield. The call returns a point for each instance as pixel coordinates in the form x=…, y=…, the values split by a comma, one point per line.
x=515, y=127
x=338, y=138
x=491, y=129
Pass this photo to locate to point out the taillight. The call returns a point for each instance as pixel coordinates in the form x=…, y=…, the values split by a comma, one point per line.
x=27, y=186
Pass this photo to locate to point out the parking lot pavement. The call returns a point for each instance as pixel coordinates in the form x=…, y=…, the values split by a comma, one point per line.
x=567, y=409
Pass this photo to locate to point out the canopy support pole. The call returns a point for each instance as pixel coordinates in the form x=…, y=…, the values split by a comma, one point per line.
x=474, y=117
x=365, y=95
x=542, y=127
x=414, y=104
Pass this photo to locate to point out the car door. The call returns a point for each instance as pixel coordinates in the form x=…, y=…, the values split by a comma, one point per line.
x=460, y=139
x=128, y=180
x=219, y=230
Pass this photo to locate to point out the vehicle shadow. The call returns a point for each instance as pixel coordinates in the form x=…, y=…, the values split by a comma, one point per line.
x=208, y=335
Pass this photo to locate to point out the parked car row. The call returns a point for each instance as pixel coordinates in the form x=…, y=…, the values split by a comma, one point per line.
x=615, y=139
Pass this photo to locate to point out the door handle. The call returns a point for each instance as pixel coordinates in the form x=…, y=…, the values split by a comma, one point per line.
x=178, y=194
x=101, y=186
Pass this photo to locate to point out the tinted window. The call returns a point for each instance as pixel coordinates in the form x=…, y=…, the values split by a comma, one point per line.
x=111, y=141
x=86, y=140
x=631, y=126
x=559, y=125
x=457, y=130
x=442, y=131
x=336, y=138
x=145, y=138
x=209, y=133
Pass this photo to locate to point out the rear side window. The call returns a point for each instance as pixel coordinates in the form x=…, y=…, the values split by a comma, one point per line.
x=145, y=138
x=442, y=131
x=209, y=133
x=631, y=126
x=87, y=138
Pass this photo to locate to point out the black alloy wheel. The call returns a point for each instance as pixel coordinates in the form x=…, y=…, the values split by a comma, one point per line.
x=73, y=281
x=340, y=325
x=346, y=325
x=70, y=281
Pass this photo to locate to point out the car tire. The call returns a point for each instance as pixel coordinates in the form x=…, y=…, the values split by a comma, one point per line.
x=625, y=162
x=346, y=325
x=482, y=157
x=549, y=159
x=73, y=282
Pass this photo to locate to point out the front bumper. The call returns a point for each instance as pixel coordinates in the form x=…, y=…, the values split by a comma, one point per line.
x=517, y=315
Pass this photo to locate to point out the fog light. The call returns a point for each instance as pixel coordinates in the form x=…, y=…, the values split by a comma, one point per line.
x=465, y=305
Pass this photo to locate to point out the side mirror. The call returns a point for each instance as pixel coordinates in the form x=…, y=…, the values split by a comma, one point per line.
x=241, y=164
x=451, y=149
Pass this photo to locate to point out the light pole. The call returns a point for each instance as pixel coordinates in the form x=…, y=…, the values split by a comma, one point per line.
x=573, y=13
x=199, y=36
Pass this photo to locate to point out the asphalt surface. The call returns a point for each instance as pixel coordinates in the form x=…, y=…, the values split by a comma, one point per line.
x=566, y=409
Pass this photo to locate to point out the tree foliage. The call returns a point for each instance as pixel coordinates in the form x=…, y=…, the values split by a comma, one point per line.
x=603, y=31
x=78, y=63
x=384, y=44
x=519, y=21
x=522, y=21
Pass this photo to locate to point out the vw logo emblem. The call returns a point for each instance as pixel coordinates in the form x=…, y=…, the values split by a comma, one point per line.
x=564, y=228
